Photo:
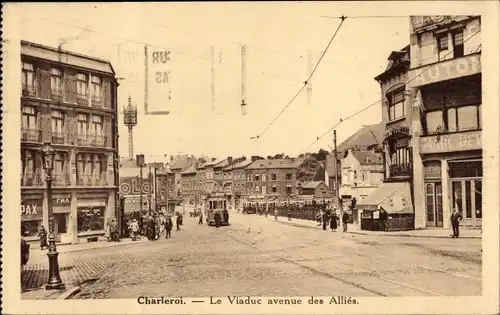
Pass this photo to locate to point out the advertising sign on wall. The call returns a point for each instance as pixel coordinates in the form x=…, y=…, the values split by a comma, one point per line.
x=132, y=186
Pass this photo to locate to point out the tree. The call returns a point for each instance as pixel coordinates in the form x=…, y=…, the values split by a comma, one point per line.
x=321, y=155
x=307, y=169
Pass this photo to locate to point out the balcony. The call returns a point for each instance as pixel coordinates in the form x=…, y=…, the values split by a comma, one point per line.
x=96, y=101
x=32, y=179
x=91, y=140
x=31, y=135
x=56, y=95
x=445, y=70
x=91, y=181
x=58, y=138
x=82, y=99
x=396, y=170
x=61, y=180
x=451, y=142
x=29, y=91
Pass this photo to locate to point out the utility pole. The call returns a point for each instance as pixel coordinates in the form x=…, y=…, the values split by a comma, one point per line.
x=337, y=179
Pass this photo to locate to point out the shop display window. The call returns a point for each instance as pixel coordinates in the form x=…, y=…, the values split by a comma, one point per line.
x=90, y=219
x=30, y=228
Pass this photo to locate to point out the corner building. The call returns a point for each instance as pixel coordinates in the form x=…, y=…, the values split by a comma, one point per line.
x=69, y=100
x=445, y=85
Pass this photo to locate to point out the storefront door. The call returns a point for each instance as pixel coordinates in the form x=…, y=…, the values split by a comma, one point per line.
x=434, y=204
x=467, y=198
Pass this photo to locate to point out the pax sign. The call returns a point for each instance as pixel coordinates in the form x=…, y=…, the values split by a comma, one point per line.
x=31, y=209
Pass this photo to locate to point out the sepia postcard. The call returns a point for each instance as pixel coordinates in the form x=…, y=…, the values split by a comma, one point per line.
x=206, y=157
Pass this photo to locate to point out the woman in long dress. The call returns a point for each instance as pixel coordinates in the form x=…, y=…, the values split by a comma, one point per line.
x=42, y=235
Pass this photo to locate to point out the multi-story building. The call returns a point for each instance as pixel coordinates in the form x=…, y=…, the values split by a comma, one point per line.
x=177, y=165
x=445, y=85
x=69, y=100
x=236, y=181
x=166, y=198
x=271, y=180
x=189, y=186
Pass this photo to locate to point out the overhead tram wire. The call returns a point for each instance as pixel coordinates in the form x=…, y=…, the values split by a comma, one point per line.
x=305, y=83
x=379, y=101
x=123, y=38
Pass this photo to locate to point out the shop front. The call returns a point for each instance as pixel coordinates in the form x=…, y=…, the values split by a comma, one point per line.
x=91, y=220
x=388, y=208
x=61, y=207
x=31, y=215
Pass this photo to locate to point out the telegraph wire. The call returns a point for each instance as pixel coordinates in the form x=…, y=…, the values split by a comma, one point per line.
x=305, y=82
x=379, y=101
x=123, y=38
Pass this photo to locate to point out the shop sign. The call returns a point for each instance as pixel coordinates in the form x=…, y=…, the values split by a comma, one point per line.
x=464, y=141
x=421, y=21
x=432, y=169
x=31, y=209
x=91, y=205
x=61, y=202
x=132, y=186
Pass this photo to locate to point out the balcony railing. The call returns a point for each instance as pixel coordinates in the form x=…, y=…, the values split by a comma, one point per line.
x=82, y=99
x=400, y=170
x=34, y=179
x=29, y=91
x=61, y=180
x=91, y=180
x=56, y=95
x=91, y=140
x=58, y=138
x=96, y=101
x=31, y=134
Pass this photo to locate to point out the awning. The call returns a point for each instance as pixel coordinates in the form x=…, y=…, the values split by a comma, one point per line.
x=391, y=197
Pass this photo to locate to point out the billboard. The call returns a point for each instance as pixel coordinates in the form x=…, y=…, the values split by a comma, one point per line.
x=132, y=186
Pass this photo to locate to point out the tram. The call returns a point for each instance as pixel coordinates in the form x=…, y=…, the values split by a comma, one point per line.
x=214, y=205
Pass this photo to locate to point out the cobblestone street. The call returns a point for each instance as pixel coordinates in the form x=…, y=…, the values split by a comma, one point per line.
x=258, y=256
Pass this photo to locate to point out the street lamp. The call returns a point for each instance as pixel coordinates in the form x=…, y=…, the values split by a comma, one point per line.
x=55, y=282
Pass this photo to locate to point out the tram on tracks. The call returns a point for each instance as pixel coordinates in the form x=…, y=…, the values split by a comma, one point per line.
x=214, y=205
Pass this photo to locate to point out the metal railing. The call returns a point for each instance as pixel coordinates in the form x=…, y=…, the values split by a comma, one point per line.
x=58, y=138
x=96, y=101
x=91, y=180
x=61, y=180
x=400, y=169
x=82, y=99
x=31, y=134
x=56, y=95
x=92, y=140
x=32, y=179
x=29, y=90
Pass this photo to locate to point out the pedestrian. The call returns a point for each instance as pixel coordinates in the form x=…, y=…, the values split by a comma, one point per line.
x=42, y=235
x=333, y=221
x=134, y=229
x=217, y=219
x=276, y=214
x=325, y=220
x=345, y=218
x=200, y=221
x=168, y=226
x=107, y=231
x=178, y=221
x=319, y=217
x=114, y=231
x=456, y=217
x=225, y=214
x=151, y=228
x=289, y=215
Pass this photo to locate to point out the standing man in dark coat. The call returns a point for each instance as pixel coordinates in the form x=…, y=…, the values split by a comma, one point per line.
x=456, y=217
x=345, y=218
x=225, y=213
x=217, y=219
x=168, y=226
x=333, y=221
x=178, y=222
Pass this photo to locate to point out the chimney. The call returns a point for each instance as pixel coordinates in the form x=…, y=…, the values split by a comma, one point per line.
x=213, y=159
x=171, y=158
x=229, y=159
x=255, y=158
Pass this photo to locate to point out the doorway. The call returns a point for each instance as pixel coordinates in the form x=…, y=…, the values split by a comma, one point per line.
x=434, y=204
x=467, y=198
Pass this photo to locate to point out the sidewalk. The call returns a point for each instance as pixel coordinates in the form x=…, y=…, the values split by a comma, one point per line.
x=355, y=229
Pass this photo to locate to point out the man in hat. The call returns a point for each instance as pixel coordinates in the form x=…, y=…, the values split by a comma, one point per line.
x=456, y=217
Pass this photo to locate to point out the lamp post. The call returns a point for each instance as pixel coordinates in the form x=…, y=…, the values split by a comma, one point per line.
x=55, y=282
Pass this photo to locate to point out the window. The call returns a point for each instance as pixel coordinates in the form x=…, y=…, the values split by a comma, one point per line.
x=81, y=86
x=29, y=117
x=28, y=79
x=264, y=190
x=57, y=127
x=363, y=176
x=396, y=105
x=355, y=175
x=434, y=122
x=96, y=89
x=96, y=128
x=273, y=177
x=400, y=156
x=288, y=176
x=288, y=190
x=256, y=177
x=274, y=189
x=443, y=42
x=80, y=168
x=257, y=190
x=263, y=177
x=83, y=124
x=458, y=45
x=56, y=82
x=60, y=161
x=90, y=219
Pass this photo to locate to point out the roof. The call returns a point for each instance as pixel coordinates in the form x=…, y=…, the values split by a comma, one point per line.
x=66, y=57
x=181, y=163
x=391, y=197
x=189, y=170
x=395, y=62
x=239, y=165
x=127, y=163
x=368, y=157
x=213, y=163
x=274, y=163
x=133, y=172
x=365, y=137
x=312, y=185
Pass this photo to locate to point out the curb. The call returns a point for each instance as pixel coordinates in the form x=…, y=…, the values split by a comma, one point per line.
x=69, y=293
x=387, y=235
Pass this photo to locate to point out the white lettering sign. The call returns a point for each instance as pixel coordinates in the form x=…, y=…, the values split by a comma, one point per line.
x=29, y=210
x=452, y=142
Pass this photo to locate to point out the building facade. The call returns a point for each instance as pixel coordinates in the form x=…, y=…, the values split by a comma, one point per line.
x=235, y=185
x=445, y=87
x=271, y=180
x=69, y=100
x=189, y=186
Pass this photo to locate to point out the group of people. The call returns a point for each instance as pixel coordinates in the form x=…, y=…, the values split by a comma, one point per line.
x=221, y=219
x=328, y=217
x=111, y=231
x=153, y=226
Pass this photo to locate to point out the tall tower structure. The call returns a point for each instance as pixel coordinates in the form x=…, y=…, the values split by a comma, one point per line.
x=130, y=120
x=309, y=71
x=243, y=79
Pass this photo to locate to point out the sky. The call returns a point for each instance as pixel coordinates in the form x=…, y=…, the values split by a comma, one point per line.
x=278, y=37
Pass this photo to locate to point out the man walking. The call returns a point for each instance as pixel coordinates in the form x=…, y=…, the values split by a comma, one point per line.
x=200, y=221
x=456, y=217
x=168, y=226
x=345, y=218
